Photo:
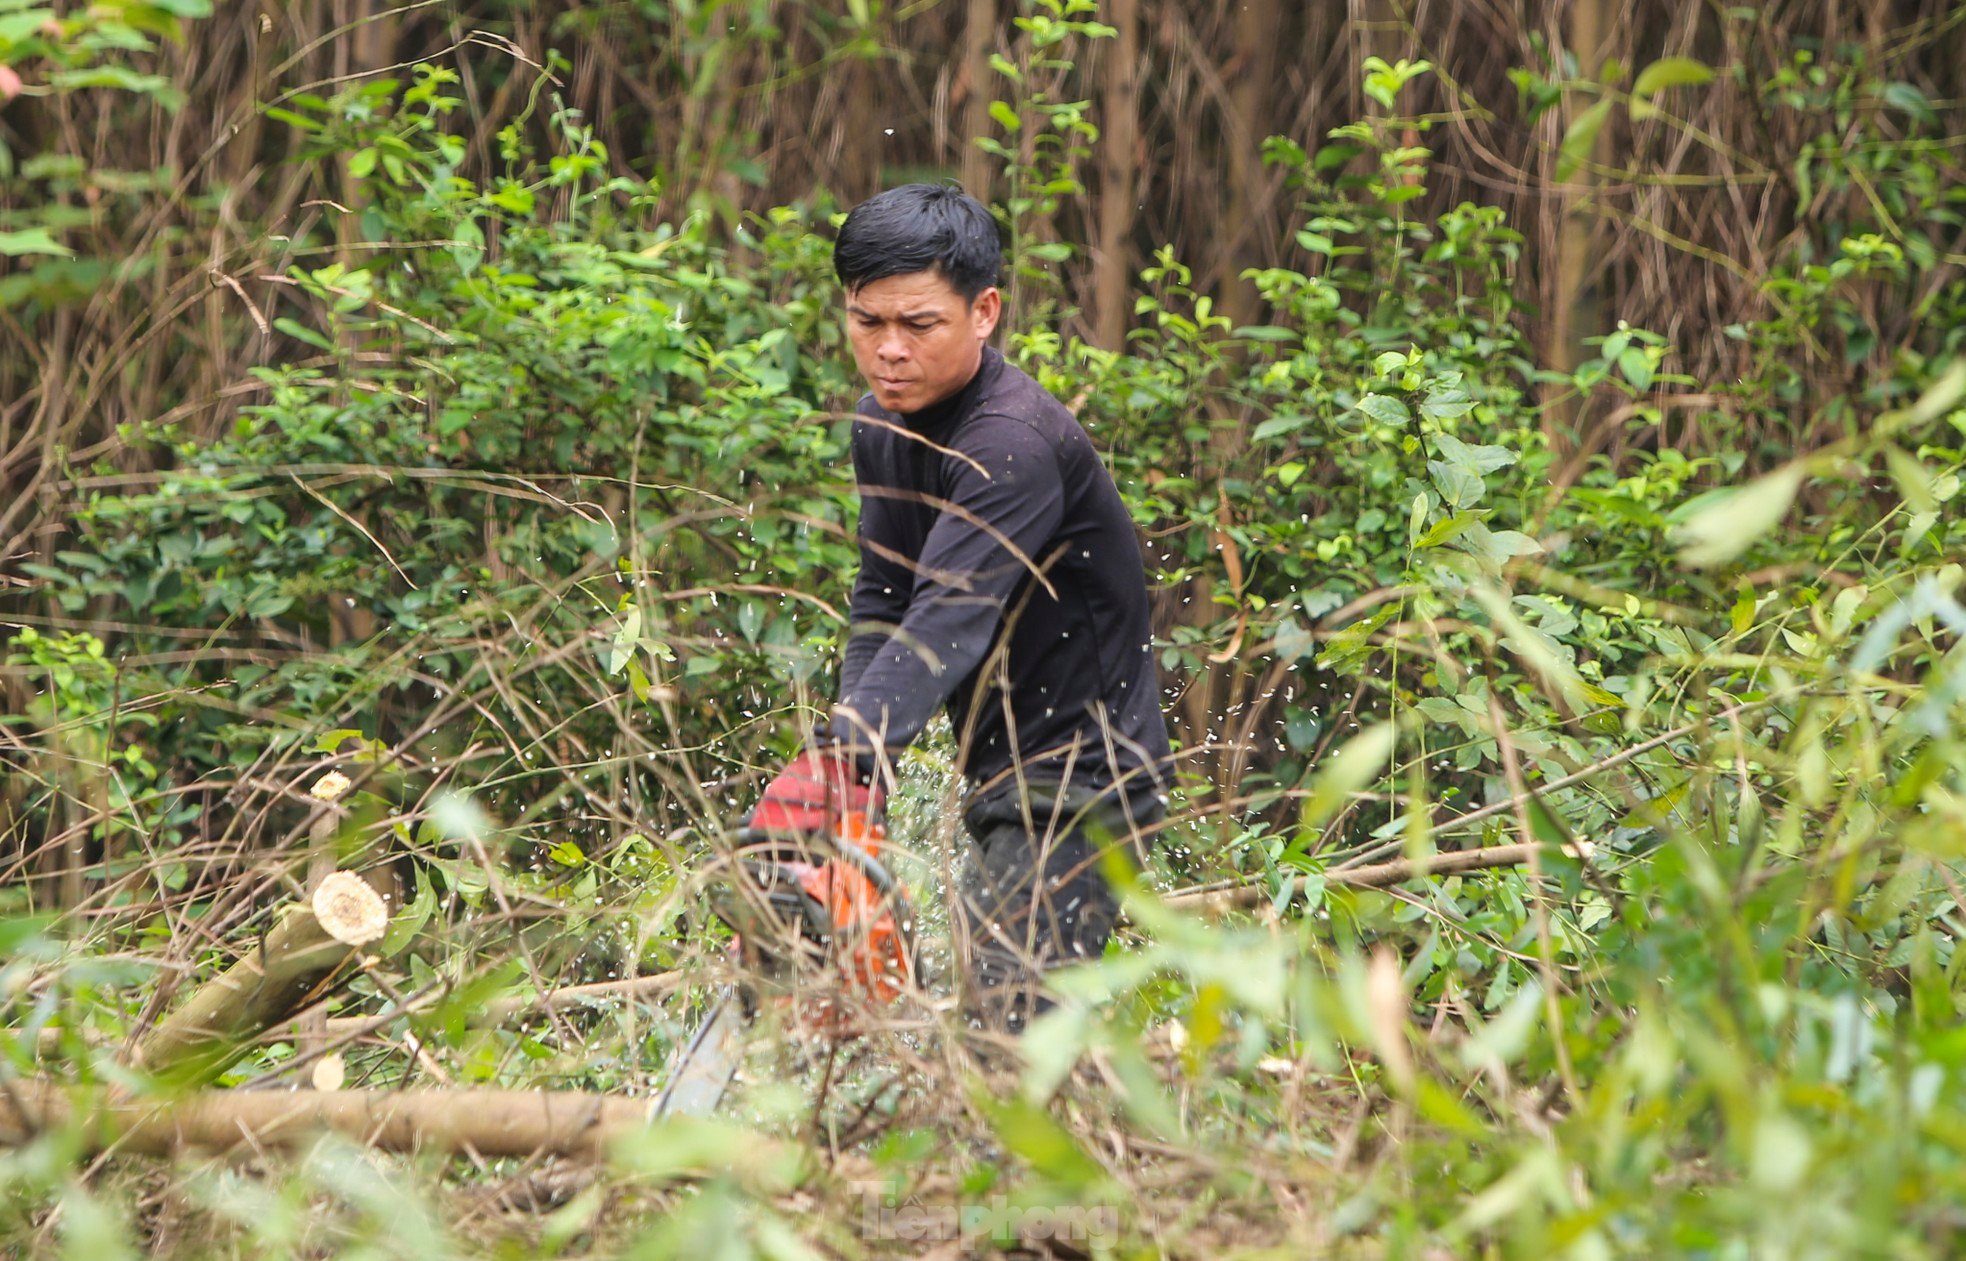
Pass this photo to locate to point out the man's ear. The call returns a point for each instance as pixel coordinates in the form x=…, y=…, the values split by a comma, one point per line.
x=986, y=311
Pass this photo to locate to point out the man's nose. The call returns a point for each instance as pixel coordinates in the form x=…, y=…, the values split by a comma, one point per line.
x=892, y=347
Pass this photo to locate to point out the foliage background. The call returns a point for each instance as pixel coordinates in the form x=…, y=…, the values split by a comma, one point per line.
x=1555, y=446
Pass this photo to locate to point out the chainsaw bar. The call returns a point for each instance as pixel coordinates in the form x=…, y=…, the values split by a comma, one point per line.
x=709, y=1063
x=790, y=914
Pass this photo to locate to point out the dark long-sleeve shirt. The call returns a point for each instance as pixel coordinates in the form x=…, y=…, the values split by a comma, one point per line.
x=1000, y=575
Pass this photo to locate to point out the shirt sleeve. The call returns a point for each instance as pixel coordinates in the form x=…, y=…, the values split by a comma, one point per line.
x=880, y=591
x=1006, y=500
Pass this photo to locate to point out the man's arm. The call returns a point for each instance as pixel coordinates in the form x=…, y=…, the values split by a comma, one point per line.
x=880, y=592
x=1002, y=510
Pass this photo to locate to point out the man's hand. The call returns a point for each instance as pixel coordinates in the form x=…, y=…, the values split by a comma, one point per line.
x=813, y=793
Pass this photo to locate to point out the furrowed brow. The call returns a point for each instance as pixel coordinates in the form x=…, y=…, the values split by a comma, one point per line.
x=906, y=317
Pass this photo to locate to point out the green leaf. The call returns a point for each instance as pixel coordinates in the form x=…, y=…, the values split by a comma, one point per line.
x=1907, y=97
x=301, y=332
x=1362, y=760
x=1386, y=410
x=1914, y=481
x=153, y=20
x=18, y=28
x=1636, y=366
x=1029, y=1132
x=625, y=640
x=1496, y=547
x=1502, y=1039
x=1445, y=529
x=1050, y=1047
x=1447, y=403
x=1476, y=459
x=152, y=85
x=1671, y=72
x=1277, y=425
x=1579, y=139
x=1662, y=74
x=406, y=923
x=1547, y=659
x=1006, y=117
x=1729, y=525
x=333, y=740
x=32, y=241
x=1459, y=487
x=292, y=119
x=1940, y=397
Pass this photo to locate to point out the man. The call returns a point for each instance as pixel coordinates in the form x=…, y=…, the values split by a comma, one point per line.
x=1000, y=576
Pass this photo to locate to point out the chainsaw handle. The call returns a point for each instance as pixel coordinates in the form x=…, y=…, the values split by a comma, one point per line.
x=869, y=866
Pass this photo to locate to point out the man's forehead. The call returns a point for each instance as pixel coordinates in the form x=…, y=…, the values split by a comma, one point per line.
x=910, y=291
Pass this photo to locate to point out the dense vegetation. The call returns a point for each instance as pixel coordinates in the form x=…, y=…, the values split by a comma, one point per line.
x=498, y=475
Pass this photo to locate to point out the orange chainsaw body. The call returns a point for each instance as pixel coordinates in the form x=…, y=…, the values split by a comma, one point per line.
x=873, y=953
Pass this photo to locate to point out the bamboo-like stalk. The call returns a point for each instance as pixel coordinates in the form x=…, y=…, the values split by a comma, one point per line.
x=494, y=1013
x=1377, y=876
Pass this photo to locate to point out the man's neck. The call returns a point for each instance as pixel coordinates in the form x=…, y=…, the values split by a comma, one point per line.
x=939, y=413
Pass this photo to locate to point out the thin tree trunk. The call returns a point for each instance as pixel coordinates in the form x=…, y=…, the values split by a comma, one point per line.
x=1573, y=313
x=1119, y=165
x=979, y=41
x=1259, y=25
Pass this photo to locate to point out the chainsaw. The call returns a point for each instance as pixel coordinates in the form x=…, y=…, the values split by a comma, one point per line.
x=818, y=916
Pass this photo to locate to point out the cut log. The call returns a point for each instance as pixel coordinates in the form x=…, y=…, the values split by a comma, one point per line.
x=488, y=1122
x=292, y=967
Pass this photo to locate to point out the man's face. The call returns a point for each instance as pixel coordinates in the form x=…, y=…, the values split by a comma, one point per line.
x=915, y=339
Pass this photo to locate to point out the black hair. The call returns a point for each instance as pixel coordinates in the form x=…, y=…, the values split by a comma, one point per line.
x=921, y=227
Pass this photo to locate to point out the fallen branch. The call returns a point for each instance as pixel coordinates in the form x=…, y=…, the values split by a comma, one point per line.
x=501, y=1010
x=1377, y=876
x=488, y=1122
x=496, y=1012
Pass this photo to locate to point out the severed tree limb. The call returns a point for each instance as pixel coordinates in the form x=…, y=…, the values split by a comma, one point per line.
x=488, y=1122
x=1376, y=876
x=291, y=968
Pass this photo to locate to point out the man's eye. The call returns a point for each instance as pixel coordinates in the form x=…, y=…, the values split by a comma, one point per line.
x=921, y=326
